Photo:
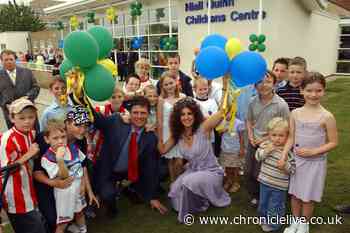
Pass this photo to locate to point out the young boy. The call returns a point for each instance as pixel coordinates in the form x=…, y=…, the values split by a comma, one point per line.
x=61, y=104
x=273, y=180
x=63, y=160
x=265, y=106
x=17, y=146
x=132, y=85
x=291, y=91
x=150, y=92
x=280, y=70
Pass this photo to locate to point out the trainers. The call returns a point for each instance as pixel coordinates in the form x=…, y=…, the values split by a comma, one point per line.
x=303, y=228
x=254, y=202
x=234, y=188
x=73, y=228
x=266, y=228
x=292, y=228
x=344, y=209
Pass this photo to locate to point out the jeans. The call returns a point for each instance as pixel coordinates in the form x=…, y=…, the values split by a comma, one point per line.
x=272, y=205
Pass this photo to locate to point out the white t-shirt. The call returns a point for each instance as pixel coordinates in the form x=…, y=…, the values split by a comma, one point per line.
x=208, y=107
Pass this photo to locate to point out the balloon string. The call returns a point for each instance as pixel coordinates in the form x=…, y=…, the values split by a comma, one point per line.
x=260, y=17
x=170, y=25
x=209, y=15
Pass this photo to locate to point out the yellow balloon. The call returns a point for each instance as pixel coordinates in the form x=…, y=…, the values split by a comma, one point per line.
x=109, y=65
x=233, y=47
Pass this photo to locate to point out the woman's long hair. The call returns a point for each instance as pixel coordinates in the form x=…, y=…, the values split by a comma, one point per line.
x=176, y=126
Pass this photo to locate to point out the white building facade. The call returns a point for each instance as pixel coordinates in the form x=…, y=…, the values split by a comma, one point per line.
x=303, y=28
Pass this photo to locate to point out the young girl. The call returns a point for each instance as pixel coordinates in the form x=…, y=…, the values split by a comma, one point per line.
x=273, y=181
x=313, y=133
x=232, y=152
x=170, y=94
x=150, y=93
x=142, y=68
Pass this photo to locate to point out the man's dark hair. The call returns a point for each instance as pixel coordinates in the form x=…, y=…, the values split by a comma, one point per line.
x=131, y=76
x=140, y=101
x=8, y=52
x=173, y=55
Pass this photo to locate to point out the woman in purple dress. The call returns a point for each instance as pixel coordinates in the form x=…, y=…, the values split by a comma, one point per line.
x=201, y=183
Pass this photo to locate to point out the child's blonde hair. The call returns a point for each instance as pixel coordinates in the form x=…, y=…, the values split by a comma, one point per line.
x=278, y=122
x=140, y=62
x=200, y=80
x=149, y=88
x=119, y=89
x=168, y=74
x=56, y=79
x=54, y=124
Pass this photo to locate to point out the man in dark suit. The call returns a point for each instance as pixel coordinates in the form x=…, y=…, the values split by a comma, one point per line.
x=15, y=82
x=117, y=161
x=173, y=62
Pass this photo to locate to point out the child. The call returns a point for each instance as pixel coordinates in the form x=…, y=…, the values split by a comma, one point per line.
x=170, y=94
x=150, y=93
x=232, y=152
x=94, y=137
x=17, y=146
x=132, y=85
x=274, y=181
x=265, y=106
x=58, y=109
x=142, y=68
x=208, y=105
x=313, y=133
x=291, y=91
x=61, y=161
x=280, y=70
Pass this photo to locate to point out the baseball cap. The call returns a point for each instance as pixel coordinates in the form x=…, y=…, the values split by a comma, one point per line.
x=79, y=115
x=18, y=105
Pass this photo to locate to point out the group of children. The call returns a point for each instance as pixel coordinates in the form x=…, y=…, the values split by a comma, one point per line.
x=285, y=152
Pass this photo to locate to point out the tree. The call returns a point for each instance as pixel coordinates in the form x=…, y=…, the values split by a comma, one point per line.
x=14, y=17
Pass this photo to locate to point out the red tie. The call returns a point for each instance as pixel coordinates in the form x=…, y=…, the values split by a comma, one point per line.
x=133, y=166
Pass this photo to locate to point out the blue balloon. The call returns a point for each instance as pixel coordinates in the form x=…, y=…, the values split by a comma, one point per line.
x=247, y=68
x=212, y=62
x=214, y=40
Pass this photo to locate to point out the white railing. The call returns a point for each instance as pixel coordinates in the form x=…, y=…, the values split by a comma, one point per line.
x=35, y=66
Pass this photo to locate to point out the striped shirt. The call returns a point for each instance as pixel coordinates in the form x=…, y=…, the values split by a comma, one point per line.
x=19, y=196
x=292, y=96
x=270, y=174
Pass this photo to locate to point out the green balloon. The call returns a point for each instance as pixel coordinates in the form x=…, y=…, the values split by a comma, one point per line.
x=252, y=47
x=81, y=49
x=138, y=12
x=65, y=66
x=134, y=12
x=253, y=38
x=261, y=38
x=261, y=47
x=103, y=38
x=99, y=83
x=138, y=5
x=133, y=5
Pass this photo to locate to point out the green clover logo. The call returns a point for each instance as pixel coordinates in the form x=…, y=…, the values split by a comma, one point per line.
x=257, y=42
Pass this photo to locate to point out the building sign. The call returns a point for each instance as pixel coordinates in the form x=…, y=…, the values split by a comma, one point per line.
x=218, y=18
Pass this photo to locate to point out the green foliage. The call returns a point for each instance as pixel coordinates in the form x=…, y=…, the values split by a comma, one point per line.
x=14, y=17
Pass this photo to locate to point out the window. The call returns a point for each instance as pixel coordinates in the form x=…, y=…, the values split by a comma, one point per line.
x=343, y=62
x=153, y=28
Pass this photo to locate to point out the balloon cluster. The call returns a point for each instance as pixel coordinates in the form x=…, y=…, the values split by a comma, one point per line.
x=136, y=9
x=257, y=42
x=59, y=25
x=91, y=17
x=111, y=13
x=219, y=56
x=168, y=43
x=160, y=13
x=86, y=54
x=74, y=22
x=137, y=42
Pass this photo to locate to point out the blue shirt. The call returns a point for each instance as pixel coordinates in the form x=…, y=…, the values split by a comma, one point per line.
x=122, y=164
x=54, y=111
x=243, y=100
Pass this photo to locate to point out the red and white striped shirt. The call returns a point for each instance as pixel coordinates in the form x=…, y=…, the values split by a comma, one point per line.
x=19, y=196
x=95, y=137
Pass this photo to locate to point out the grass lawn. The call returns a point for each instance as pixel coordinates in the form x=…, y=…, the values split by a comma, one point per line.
x=141, y=219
